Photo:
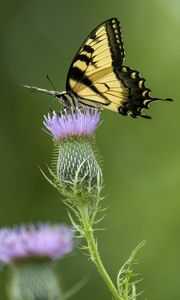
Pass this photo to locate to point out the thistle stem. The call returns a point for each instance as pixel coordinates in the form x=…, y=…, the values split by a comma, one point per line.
x=94, y=253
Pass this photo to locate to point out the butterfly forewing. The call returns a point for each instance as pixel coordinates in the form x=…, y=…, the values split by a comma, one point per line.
x=91, y=76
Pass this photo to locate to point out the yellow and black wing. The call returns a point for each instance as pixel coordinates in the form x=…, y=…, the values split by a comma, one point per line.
x=98, y=78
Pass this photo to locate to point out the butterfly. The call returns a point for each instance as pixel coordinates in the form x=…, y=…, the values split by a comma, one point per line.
x=98, y=78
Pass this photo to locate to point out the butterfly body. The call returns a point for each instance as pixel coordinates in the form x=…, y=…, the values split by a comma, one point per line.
x=98, y=78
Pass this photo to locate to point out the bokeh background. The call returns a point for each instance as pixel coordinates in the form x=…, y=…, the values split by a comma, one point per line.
x=141, y=158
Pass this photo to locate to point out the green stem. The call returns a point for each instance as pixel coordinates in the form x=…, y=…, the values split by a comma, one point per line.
x=93, y=251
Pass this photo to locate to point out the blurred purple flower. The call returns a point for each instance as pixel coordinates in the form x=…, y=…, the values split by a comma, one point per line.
x=41, y=240
x=77, y=123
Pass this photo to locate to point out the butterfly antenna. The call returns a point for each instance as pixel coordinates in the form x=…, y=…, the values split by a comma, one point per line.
x=47, y=76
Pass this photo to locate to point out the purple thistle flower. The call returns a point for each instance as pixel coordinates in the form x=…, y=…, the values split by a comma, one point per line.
x=42, y=240
x=77, y=123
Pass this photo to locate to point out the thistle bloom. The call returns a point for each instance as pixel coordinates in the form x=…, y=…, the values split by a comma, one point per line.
x=43, y=240
x=80, y=123
x=73, y=134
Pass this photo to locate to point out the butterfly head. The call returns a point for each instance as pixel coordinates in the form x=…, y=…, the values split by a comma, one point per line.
x=64, y=98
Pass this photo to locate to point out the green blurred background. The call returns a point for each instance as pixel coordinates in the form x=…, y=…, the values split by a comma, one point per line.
x=141, y=158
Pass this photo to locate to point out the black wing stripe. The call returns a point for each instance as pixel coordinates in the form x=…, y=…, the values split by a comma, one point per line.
x=76, y=73
x=88, y=49
x=114, y=39
x=84, y=58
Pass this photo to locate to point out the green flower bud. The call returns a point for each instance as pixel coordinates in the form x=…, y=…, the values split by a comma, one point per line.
x=33, y=280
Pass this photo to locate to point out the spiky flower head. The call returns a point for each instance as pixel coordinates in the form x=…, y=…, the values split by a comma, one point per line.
x=76, y=123
x=41, y=240
x=73, y=133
